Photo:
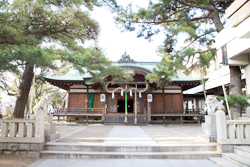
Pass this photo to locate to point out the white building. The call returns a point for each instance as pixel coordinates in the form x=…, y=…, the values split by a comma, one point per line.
x=233, y=49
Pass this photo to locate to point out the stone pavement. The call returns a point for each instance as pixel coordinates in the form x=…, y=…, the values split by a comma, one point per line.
x=130, y=135
x=122, y=163
x=127, y=136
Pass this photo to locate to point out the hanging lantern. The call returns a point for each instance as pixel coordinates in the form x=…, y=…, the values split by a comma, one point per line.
x=139, y=94
x=113, y=95
x=121, y=92
x=131, y=93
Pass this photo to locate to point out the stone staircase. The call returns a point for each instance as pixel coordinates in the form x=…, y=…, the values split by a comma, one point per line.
x=240, y=157
x=178, y=151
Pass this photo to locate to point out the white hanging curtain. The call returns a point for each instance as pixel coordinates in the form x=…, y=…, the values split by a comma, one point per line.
x=131, y=93
x=113, y=95
x=121, y=92
x=139, y=94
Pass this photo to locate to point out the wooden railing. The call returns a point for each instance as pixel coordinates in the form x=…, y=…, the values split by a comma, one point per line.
x=79, y=110
x=175, y=111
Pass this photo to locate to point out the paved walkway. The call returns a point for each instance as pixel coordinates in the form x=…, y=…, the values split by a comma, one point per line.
x=130, y=135
x=127, y=135
x=122, y=163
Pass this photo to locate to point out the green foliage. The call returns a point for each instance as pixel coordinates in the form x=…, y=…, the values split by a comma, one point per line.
x=197, y=20
x=242, y=100
x=25, y=27
x=42, y=33
x=163, y=72
x=57, y=99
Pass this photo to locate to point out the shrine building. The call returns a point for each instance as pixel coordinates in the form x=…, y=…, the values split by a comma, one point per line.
x=136, y=102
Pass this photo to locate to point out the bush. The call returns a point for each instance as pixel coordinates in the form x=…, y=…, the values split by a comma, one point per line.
x=242, y=100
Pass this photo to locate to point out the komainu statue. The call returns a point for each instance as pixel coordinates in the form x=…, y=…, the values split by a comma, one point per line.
x=213, y=104
x=43, y=104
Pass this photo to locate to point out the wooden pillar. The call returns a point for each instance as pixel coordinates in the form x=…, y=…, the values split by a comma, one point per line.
x=126, y=109
x=135, y=104
x=103, y=113
x=183, y=110
x=68, y=98
x=163, y=98
x=87, y=97
x=187, y=104
x=149, y=113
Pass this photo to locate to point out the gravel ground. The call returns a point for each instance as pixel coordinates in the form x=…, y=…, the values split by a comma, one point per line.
x=16, y=160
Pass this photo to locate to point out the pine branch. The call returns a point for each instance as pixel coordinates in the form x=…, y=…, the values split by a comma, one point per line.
x=192, y=5
x=171, y=21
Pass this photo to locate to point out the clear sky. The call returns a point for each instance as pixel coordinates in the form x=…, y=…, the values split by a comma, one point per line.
x=116, y=42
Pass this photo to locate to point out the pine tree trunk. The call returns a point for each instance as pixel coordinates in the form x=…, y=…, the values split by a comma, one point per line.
x=216, y=20
x=24, y=90
x=235, y=86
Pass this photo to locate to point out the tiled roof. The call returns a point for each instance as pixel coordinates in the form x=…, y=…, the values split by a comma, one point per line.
x=74, y=76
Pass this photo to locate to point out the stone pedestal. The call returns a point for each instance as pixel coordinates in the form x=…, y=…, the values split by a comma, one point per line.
x=209, y=132
x=50, y=129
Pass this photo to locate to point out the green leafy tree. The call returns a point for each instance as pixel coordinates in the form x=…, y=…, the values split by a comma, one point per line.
x=163, y=72
x=58, y=99
x=199, y=21
x=234, y=100
x=28, y=27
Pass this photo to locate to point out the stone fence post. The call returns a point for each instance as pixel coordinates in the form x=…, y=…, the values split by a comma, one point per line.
x=221, y=125
x=39, y=129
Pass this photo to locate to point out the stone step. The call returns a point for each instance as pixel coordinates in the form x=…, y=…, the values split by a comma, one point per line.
x=48, y=154
x=237, y=159
x=222, y=162
x=242, y=150
x=109, y=148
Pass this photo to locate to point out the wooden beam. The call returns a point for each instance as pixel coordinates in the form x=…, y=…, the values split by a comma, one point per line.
x=129, y=83
x=163, y=98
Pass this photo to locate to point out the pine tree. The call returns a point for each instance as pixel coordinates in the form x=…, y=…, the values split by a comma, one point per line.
x=37, y=33
x=199, y=21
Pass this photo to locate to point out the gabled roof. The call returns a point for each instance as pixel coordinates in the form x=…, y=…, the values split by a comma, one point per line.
x=74, y=77
x=145, y=68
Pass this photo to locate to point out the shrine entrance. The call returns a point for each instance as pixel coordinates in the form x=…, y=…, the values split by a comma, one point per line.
x=121, y=105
